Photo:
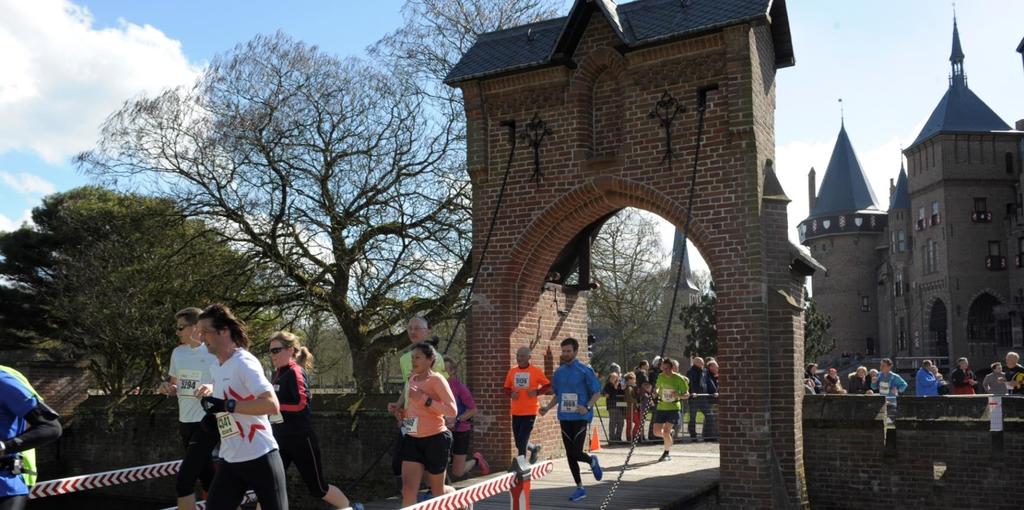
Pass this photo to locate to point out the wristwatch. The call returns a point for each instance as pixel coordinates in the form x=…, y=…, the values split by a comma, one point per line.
x=229, y=405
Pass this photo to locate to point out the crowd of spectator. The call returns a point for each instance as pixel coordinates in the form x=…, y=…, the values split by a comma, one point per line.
x=629, y=393
x=1002, y=379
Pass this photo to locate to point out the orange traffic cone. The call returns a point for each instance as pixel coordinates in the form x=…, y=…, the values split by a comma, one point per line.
x=595, y=442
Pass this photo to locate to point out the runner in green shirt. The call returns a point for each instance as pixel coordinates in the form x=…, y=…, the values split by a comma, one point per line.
x=671, y=389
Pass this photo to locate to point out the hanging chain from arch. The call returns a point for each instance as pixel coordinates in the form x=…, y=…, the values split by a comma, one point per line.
x=511, y=125
x=668, y=104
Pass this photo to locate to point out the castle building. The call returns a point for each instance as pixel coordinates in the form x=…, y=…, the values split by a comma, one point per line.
x=939, y=272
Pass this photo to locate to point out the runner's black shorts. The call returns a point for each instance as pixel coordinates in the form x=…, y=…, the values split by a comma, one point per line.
x=460, y=442
x=431, y=451
x=666, y=416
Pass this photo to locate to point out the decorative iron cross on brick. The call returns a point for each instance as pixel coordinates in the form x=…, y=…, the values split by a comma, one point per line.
x=665, y=110
x=536, y=130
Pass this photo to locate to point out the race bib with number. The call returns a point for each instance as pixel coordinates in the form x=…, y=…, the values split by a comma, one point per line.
x=226, y=426
x=276, y=418
x=569, y=402
x=883, y=388
x=669, y=395
x=410, y=425
x=188, y=382
x=620, y=404
x=522, y=380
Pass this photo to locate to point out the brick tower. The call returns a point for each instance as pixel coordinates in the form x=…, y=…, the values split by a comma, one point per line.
x=842, y=232
x=605, y=107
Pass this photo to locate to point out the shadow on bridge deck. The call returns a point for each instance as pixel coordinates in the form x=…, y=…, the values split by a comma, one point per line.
x=647, y=484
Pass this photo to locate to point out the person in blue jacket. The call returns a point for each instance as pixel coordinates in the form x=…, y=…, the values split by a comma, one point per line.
x=925, y=383
x=25, y=423
x=888, y=384
x=576, y=389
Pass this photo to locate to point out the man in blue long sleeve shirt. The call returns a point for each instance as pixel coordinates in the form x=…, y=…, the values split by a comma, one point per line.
x=925, y=383
x=888, y=384
x=576, y=389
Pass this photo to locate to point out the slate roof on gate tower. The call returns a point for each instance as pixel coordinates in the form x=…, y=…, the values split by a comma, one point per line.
x=637, y=24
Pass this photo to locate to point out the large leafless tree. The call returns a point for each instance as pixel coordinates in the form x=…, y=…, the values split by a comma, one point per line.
x=329, y=169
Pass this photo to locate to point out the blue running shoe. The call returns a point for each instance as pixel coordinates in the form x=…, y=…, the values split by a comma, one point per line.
x=357, y=506
x=578, y=494
x=423, y=496
x=596, y=468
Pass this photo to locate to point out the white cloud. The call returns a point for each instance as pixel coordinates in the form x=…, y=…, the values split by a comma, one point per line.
x=27, y=184
x=8, y=225
x=60, y=77
x=880, y=161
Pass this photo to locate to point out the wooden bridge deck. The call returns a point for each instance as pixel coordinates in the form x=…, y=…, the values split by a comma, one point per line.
x=646, y=484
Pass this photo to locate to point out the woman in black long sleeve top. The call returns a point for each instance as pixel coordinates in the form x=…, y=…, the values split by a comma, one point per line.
x=293, y=428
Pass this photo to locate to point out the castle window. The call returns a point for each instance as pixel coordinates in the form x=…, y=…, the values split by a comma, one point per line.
x=1009, y=162
x=920, y=218
x=980, y=204
x=865, y=305
x=897, y=287
x=901, y=240
x=930, y=256
x=935, y=212
x=995, y=248
x=901, y=339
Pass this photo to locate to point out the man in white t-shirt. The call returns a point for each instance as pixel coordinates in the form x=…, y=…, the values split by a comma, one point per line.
x=190, y=368
x=238, y=403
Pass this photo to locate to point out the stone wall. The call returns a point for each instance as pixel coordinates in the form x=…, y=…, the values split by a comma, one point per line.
x=145, y=431
x=940, y=454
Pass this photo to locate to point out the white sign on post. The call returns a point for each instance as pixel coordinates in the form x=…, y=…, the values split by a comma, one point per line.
x=995, y=413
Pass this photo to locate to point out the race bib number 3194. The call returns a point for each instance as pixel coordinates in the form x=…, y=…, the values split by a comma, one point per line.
x=188, y=382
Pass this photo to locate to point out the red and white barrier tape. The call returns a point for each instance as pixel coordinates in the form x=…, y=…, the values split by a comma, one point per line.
x=105, y=479
x=478, y=492
x=250, y=497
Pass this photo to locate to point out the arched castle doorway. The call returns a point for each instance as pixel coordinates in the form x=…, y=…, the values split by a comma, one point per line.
x=593, y=109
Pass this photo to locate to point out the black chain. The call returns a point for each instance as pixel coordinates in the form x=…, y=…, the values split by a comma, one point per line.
x=487, y=241
x=668, y=103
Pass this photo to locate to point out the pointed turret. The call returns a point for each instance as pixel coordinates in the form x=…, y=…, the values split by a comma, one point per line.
x=844, y=188
x=901, y=195
x=959, y=110
x=956, y=56
x=845, y=202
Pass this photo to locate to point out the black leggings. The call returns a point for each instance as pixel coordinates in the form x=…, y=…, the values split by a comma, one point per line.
x=197, y=462
x=522, y=427
x=304, y=451
x=574, y=435
x=13, y=502
x=264, y=475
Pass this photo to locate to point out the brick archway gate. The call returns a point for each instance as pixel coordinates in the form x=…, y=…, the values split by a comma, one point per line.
x=594, y=78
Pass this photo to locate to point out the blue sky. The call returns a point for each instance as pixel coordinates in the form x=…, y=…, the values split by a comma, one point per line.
x=65, y=65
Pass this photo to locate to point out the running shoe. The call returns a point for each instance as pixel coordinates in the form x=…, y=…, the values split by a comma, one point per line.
x=485, y=468
x=357, y=506
x=665, y=456
x=578, y=494
x=534, y=450
x=423, y=496
x=596, y=468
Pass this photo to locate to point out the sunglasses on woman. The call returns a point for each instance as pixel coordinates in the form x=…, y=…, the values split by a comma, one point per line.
x=276, y=350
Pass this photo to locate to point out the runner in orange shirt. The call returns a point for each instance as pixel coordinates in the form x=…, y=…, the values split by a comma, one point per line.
x=522, y=385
